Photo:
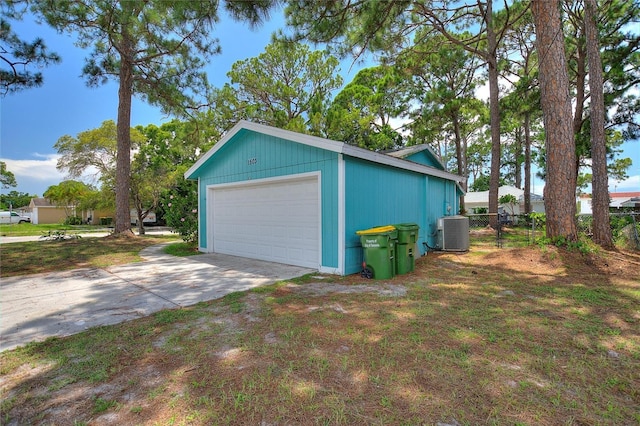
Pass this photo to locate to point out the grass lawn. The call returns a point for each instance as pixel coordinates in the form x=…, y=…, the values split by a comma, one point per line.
x=44, y=256
x=512, y=336
x=29, y=229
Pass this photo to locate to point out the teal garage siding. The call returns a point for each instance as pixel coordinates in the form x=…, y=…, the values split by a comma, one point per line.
x=377, y=195
x=420, y=154
x=382, y=195
x=425, y=157
x=442, y=198
x=358, y=189
x=252, y=156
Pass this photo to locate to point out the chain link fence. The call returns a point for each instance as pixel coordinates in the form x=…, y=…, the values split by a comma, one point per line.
x=521, y=230
x=625, y=228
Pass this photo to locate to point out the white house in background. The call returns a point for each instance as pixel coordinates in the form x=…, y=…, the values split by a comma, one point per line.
x=624, y=199
x=476, y=200
x=617, y=200
x=584, y=204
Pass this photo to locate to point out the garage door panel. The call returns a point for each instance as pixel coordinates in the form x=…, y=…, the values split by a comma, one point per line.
x=277, y=221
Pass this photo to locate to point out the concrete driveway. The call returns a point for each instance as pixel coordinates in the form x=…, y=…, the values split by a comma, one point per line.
x=35, y=307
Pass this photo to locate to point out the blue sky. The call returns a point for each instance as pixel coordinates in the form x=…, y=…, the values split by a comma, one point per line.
x=33, y=120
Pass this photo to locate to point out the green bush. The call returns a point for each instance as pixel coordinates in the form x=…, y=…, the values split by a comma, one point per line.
x=618, y=223
x=540, y=219
x=73, y=220
x=622, y=231
x=181, y=210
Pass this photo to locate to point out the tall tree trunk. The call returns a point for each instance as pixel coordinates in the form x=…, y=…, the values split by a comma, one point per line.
x=123, y=155
x=460, y=157
x=581, y=81
x=600, y=180
x=139, y=214
x=494, y=108
x=560, y=188
x=527, y=162
x=517, y=162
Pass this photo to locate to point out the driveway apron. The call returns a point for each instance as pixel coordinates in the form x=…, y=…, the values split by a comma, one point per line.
x=35, y=307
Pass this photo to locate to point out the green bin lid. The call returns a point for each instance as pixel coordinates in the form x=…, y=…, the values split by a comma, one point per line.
x=406, y=226
x=377, y=230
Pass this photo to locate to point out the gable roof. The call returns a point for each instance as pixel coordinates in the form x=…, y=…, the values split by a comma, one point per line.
x=40, y=202
x=322, y=143
x=415, y=149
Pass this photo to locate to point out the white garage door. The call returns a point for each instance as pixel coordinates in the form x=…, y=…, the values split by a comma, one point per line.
x=278, y=221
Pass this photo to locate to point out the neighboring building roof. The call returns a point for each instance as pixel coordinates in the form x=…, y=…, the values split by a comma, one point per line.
x=40, y=202
x=483, y=196
x=631, y=202
x=327, y=144
x=624, y=199
x=619, y=199
x=624, y=194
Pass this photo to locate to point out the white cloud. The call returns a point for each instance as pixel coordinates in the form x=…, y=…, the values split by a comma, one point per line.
x=34, y=176
x=630, y=184
x=40, y=169
x=482, y=92
x=506, y=86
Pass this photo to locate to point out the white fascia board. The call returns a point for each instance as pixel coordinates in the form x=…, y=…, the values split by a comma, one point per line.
x=398, y=162
x=405, y=152
x=302, y=138
x=235, y=129
x=315, y=141
x=435, y=156
x=326, y=144
x=341, y=214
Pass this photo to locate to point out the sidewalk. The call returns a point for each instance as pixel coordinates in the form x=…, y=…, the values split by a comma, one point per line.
x=160, y=230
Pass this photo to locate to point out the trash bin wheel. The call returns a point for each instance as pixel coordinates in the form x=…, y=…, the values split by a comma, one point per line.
x=366, y=273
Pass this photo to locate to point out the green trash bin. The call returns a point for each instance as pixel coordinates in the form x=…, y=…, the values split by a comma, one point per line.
x=405, y=256
x=379, y=251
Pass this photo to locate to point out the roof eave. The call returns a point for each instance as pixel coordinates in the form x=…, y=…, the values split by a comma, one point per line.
x=406, y=152
x=399, y=162
x=316, y=141
x=322, y=143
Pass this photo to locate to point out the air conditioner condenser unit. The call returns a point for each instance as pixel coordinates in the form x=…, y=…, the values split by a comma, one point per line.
x=453, y=233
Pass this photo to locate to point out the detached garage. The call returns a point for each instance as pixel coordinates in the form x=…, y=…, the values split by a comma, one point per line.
x=272, y=194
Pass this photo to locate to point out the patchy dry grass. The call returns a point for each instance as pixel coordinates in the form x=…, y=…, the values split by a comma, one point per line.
x=523, y=336
x=45, y=256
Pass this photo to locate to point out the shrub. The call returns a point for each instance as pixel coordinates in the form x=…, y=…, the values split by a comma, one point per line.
x=618, y=223
x=540, y=219
x=181, y=210
x=73, y=220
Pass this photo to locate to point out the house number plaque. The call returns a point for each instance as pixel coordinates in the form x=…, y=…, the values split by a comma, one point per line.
x=252, y=161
